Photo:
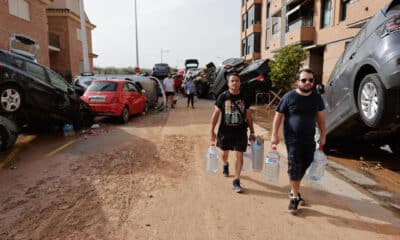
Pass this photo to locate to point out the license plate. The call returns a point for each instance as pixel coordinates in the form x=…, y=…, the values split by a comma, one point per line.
x=97, y=99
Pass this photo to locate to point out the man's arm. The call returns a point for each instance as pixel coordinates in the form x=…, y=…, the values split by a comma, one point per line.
x=322, y=127
x=249, y=120
x=276, y=124
x=214, y=121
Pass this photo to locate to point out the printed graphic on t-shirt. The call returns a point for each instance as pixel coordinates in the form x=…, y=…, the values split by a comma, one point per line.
x=233, y=117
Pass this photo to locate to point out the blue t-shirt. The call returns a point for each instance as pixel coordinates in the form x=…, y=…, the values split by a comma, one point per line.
x=300, y=116
x=190, y=88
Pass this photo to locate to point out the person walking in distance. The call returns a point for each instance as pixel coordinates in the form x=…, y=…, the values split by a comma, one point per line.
x=190, y=91
x=301, y=108
x=169, y=87
x=232, y=110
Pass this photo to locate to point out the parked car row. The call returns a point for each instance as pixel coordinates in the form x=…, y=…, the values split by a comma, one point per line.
x=34, y=95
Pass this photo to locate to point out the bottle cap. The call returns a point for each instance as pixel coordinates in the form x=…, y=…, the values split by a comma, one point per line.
x=212, y=144
x=273, y=147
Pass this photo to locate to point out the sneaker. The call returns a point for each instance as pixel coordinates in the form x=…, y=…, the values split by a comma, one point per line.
x=225, y=172
x=236, y=185
x=293, y=205
x=302, y=201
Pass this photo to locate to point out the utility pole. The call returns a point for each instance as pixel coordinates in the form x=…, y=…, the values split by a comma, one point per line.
x=83, y=38
x=137, y=41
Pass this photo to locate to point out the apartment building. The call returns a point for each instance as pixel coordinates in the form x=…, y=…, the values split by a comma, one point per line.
x=55, y=25
x=322, y=27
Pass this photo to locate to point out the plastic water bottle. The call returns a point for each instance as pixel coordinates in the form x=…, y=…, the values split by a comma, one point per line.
x=247, y=159
x=272, y=165
x=317, y=168
x=212, y=157
x=68, y=130
x=257, y=149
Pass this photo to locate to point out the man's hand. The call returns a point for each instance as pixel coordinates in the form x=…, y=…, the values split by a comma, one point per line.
x=252, y=137
x=274, y=140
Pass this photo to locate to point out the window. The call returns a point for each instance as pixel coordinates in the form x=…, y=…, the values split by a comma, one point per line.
x=132, y=88
x=267, y=37
x=254, y=14
x=57, y=81
x=343, y=9
x=102, y=87
x=36, y=70
x=19, y=8
x=275, y=27
x=244, y=22
x=78, y=34
x=253, y=43
x=244, y=47
x=326, y=13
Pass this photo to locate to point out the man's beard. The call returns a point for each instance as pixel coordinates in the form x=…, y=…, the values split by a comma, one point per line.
x=305, y=90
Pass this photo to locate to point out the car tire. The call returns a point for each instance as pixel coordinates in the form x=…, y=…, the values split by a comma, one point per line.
x=201, y=89
x=85, y=119
x=11, y=99
x=125, y=115
x=371, y=101
x=8, y=133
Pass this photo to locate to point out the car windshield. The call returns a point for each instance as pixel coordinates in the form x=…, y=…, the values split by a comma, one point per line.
x=103, y=87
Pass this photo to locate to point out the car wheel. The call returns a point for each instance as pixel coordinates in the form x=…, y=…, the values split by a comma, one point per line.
x=10, y=99
x=85, y=119
x=371, y=100
x=8, y=133
x=200, y=89
x=125, y=115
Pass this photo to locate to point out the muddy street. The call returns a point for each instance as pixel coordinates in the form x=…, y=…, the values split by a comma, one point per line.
x=146, y=180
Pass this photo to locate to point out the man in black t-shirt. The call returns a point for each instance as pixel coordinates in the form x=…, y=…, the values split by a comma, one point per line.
x=232, y=131
x=301, y=108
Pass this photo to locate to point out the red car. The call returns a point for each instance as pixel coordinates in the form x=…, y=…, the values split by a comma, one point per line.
x=117, y=98
x=178, y=79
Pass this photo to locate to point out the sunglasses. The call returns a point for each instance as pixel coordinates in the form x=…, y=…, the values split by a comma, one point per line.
x=304, y=80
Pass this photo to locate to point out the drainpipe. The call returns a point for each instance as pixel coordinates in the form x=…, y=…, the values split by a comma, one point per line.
x=83, y=38
x=283, y=22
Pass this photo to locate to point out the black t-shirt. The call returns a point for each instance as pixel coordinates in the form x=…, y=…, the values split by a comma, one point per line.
x=232, y=119
x=300, y=116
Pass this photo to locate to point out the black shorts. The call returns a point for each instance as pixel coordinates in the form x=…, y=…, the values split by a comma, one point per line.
x=169, y=94
x=235, y=141
x=300, y=157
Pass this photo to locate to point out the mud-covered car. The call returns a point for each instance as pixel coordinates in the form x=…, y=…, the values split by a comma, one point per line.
x=32, y=94
x=362, y=95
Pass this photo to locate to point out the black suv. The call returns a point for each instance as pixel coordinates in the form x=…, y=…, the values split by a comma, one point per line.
x=31, y=94
x=362, y=96
x=161, y=70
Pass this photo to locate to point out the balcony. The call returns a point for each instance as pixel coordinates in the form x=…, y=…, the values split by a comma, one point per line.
x=251, y=57
x=253, y=28
x=274, y=44
x=303, y=35
x=251, y=2
x=54, y=42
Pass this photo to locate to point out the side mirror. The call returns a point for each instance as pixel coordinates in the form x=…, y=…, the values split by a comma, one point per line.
x=79, y=90
x=320, y=88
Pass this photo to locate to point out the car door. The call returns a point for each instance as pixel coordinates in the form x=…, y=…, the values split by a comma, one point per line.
x=66, y=101
x=137, y=99
x=41, y=94
x=127, y=97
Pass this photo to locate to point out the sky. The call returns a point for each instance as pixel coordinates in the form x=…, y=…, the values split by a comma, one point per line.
x=208, y=30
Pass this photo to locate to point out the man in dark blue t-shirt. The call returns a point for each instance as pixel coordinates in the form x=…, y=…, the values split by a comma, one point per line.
x=301, y=108
x=232, y=130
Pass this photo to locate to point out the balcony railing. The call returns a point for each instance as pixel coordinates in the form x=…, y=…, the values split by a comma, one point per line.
x=54, y=40
x=298, y=23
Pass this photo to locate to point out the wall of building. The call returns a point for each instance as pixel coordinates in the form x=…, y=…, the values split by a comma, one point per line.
x=35, y=28
x=332, y=39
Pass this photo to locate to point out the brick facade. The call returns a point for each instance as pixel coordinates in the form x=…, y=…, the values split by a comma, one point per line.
x=35, y=28
x=47, y=19
x=322, y=44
